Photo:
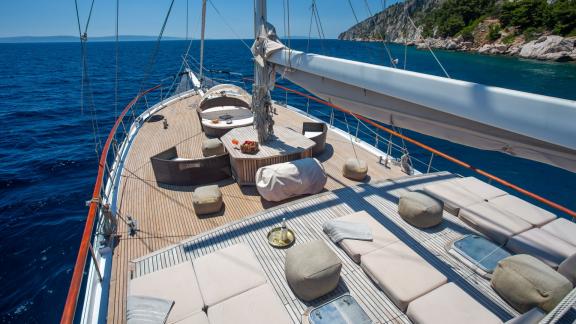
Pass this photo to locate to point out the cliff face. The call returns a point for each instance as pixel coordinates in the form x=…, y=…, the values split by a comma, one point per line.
x=485, y=35
x=392, y=22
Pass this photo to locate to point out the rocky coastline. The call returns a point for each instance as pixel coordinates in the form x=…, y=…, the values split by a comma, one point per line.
x=545, y=48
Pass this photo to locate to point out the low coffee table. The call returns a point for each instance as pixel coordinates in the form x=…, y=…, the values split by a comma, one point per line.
x=342, y=310
x=284, y=146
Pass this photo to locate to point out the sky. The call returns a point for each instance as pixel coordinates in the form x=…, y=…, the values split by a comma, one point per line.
x=145, y=17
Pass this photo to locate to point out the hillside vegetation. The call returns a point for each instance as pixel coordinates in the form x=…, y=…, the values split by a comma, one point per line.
x=529, y=17
x=537, y=29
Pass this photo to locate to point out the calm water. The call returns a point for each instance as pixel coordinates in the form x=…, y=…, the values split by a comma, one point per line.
x=48, y=160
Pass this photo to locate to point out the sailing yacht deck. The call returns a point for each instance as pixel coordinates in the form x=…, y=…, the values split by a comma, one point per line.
x=165, y=215
x=306, y=217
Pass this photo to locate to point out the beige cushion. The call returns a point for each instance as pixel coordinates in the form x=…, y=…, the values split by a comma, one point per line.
x=212, y=146
x=196, y=318
x=228, y=272
x=177, y=283
x=462, y=192
x=259, y=305
x=420, y=209
x=533, y=316
x=401, y=273
x=355, y=169
x=523, y=209
x=568, y=269
x=526, y=282
x=492, y=221
x=207, y=200
x=542, y=245
x=449, y=305
x=419, y=181
x=381, y=236
x=312, y=270
x=562, y=229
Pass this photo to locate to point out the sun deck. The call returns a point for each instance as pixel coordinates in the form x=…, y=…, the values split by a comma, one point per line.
x=165, y=215
x=306, y=216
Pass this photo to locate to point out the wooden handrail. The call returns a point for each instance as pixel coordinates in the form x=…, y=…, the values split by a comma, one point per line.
x=436, y=152
x=76, y=282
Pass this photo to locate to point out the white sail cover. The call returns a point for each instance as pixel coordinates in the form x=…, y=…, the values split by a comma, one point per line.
x=521, y=124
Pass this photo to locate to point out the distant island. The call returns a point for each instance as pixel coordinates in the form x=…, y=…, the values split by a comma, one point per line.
x=537, y=29
x=70, y=39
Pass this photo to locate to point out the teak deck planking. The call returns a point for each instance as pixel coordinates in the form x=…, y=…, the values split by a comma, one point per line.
x=164, y=213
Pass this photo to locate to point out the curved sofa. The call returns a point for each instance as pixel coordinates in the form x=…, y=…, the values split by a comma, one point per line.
x=172, y=170
x=228, y=103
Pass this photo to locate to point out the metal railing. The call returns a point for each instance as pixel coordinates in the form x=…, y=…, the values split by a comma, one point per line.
x=95, y=203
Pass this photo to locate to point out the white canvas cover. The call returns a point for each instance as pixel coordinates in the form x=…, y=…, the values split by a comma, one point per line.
x=517, y=123
x=290, y=179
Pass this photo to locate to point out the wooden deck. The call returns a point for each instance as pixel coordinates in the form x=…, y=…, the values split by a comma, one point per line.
x=306, y=216
x=165, y=215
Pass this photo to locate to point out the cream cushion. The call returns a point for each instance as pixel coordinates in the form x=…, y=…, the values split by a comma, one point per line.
x=562, y=229
x=227, y=273
x=381, y=236
x=523, y=209
x=493, y=222
x=568, y=269
x=462, y=192
x=259, y=305
x=526, y=282
x=355, y=169
x=196, y=318
x=542, y=245
x=177, y=283
x=401, y=273
x=533, y=316
x=212, y=146
x=449, y=305
x=420, y=209
x=207, y=200
x=312, y=269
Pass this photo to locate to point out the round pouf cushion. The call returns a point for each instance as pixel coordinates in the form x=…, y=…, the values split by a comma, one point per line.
x=207, y=200
x=355, y=169
x=526, y=282
x=312, y=270
x=212, y=146
x=420, y=210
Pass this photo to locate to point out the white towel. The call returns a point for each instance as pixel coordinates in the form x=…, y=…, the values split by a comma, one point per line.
x=147, y=310
x=338, y=230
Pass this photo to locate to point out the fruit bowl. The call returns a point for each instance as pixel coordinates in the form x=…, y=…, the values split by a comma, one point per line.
x=249, y=147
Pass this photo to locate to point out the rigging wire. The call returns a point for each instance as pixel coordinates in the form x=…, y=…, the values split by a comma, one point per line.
x=229, y=27
x=117, y=67
x=430, y=49
x=187, y=13
x=154, y=54
x=382, y=35
x=85, y=83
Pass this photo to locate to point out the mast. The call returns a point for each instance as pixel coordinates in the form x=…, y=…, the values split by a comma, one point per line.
x=202, y=40
x=261, y=101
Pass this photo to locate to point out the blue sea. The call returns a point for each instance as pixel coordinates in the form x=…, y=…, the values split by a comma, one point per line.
x=48, y=159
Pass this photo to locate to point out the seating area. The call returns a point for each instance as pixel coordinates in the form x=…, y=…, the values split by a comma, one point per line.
x=409, y=279
x=520, y=226
x=170, y=169
x=313, y=272
x=223, y=108
x=235, y=283
x=226, y=286
x=316, y=132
